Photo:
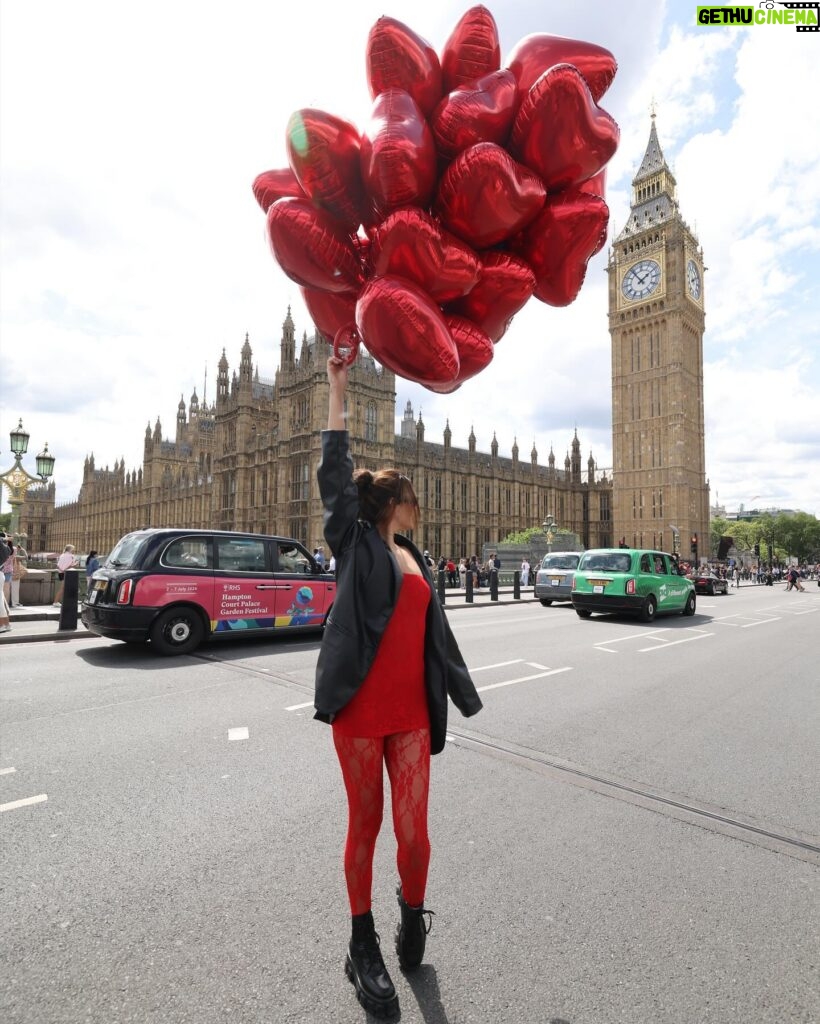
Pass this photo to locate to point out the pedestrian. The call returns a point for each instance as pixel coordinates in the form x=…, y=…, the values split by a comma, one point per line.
x=428, y=558
x=793, y=578
x=319, y=555
x=7, y=567
x=18, y=574
x=66, y=561
x=5, y=623
x=452, y=574
x=6, y=554
x=331, y=565
x=462, y=573
x=525, y=571
x=92, y=563
x=387, y=664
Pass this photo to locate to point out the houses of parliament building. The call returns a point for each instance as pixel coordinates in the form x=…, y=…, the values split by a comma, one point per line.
x=247, y=460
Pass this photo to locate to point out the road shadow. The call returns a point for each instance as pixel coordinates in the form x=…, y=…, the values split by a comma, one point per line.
x=230, y=649
x=424, y=985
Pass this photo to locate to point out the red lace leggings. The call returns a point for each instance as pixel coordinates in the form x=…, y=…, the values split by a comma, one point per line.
x=407, y=756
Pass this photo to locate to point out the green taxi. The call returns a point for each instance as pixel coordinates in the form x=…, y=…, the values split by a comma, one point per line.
x=639, y=582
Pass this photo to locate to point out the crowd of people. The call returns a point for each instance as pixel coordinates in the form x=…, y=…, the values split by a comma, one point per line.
x=793, y=576
x=455, y=574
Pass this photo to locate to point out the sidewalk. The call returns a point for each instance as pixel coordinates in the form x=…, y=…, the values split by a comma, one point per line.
x=42, y=622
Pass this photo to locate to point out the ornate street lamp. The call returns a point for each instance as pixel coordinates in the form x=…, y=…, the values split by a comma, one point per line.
x=549, y=526
x=17, y=479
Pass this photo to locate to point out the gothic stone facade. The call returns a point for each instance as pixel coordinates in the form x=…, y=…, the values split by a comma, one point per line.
x=248, y=462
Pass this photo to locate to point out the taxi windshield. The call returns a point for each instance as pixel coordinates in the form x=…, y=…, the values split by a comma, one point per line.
x=565, y=560
x=124, y=554
x=607, y=561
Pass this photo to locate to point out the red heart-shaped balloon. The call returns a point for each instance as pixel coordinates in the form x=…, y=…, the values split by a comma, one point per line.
x=405, y=331
x=329, y=311
x=272, y=185
x=475, y=351
x=397, y=58
x=472, y=50
x=484, y=196
x=410, y=243
x=560, y=241
x=560, y=132
x=534, y=54
x=398, y=155
x=505, y=285
x=596, y=186
x=312, y=248
x=323, y=152
x=480, y=112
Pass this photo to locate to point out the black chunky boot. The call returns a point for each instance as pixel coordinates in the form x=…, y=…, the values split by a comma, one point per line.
x=365, y=969
x=411, y=933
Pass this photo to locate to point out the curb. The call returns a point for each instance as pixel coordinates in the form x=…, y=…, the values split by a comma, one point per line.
x=33, y=638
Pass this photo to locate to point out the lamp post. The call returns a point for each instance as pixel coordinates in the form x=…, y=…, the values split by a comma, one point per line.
x=17, y=479
x=549, y=526
x=675, y=539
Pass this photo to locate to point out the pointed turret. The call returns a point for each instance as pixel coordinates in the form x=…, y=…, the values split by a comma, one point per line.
x=654, y=188
x=246, y=362
x=222, y=377
x=288, y=343
x=408, y=423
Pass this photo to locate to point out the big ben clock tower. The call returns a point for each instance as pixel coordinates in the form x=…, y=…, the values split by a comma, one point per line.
x=656, y=320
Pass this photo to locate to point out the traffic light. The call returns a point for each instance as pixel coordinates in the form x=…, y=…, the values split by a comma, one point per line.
x=695, y=546
x=757, y=550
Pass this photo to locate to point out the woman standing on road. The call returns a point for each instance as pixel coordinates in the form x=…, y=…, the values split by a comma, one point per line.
x=387, y=664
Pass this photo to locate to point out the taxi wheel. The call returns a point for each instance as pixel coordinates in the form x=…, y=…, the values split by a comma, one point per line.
x=176, y=631
x=690, y=605
x=649, y=608
x=545, y=602
x=583, y=613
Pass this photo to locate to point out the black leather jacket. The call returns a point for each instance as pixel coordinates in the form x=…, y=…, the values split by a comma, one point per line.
x=368, y=580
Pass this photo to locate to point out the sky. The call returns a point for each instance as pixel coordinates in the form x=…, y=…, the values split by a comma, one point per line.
x=133, y=251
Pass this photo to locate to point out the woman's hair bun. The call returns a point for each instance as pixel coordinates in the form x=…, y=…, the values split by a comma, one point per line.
x=364, y=480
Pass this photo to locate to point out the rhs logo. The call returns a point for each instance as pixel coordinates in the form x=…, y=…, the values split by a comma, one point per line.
x=804, y=16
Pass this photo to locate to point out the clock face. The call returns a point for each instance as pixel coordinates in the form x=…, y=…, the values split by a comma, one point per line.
x=642, y=279
x=693, y=279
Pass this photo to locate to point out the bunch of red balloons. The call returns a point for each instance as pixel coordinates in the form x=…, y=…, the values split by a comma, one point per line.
x=472, y=188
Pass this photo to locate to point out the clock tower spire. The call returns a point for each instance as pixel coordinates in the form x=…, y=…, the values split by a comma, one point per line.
x=657, y=322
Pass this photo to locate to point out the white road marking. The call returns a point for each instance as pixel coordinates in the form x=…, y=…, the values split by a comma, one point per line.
x=299, y=707
x=241, y=733
x=7, y=771
x=500, y=664
x=523, y=679
x=761, y=622
x=655, y=635
x=23, y=803
x=672, y=643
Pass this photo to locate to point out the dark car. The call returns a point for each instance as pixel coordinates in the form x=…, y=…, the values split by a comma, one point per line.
x=554, y=576
x=708, y=583
x=177, y=588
